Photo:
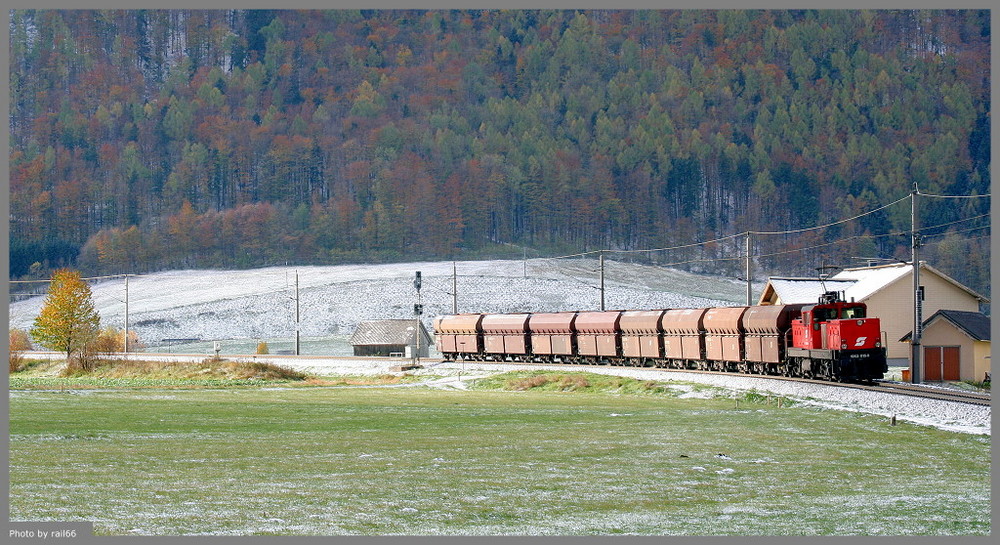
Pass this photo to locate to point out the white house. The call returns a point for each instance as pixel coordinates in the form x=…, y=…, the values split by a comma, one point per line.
x=887, y=290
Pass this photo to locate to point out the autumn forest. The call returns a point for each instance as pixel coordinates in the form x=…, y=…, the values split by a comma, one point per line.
x=144, y=140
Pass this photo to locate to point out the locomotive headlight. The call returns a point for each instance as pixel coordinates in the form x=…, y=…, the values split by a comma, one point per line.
x=878, y=344
x=843, y=345
x=861, y=322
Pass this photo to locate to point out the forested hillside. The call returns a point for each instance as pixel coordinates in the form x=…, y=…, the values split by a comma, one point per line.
x=144, y=140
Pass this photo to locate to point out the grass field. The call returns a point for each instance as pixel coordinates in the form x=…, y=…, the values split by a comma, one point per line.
x=522, y=456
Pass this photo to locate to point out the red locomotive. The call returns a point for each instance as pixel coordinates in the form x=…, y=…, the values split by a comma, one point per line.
x=832, y=340
x=835, y=339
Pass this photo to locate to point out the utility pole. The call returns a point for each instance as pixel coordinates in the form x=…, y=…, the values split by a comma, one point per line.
x=749, y=288
x=418, y=309
x=297, y=312
x=915, y=356
x=126, y=316
x=454, y=288
x=602, y=280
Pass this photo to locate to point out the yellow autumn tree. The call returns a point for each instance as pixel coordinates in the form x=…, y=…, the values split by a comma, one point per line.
x=68, y=320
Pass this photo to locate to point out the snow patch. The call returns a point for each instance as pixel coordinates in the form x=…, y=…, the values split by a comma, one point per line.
x=260, y=303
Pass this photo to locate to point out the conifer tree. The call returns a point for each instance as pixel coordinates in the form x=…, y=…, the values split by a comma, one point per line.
x=68, y=320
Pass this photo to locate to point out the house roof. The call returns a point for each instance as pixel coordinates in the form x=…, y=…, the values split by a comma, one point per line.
x=388, y=332
x=974, y=324
x=871, y=280
x=868, y=281
x=858, y=284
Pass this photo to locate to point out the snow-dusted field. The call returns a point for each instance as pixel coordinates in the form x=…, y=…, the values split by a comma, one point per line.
x=260, y=303
x=255, y=304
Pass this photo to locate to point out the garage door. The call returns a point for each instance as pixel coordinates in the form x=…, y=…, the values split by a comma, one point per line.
x=941, y=363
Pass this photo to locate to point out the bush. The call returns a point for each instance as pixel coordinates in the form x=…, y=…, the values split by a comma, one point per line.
x=82, y=362
x=135, y=344
x=261, y=371
x=521, y=384
x=113, y=340
x=19, y=342
x=16, y=360
x=573, y=382
x=98, y=351
x=985, y=385
x=568, y=383
x=262, y=348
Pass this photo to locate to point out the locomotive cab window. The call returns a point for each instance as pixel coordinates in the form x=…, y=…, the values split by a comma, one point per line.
x=850, y=313
x=824, y=314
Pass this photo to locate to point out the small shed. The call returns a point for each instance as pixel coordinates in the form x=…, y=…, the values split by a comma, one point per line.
x=390, y=338
x=956, y=346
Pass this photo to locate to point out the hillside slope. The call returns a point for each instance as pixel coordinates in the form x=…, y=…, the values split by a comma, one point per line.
x=260, y=303
x=151, y=140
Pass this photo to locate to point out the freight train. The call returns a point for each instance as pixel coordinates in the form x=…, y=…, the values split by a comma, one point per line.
x=832, y=340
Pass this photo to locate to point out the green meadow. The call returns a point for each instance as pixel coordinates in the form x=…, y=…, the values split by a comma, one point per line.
x=518, y=455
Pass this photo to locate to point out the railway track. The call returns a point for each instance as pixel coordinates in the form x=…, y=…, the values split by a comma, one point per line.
x=973, y=398
x=887, y=387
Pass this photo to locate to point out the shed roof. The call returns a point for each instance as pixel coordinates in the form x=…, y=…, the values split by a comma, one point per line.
x=388, y=332
x=974, y=324
x=802, y=290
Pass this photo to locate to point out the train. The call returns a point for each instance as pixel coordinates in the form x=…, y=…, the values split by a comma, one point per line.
x=832, y=339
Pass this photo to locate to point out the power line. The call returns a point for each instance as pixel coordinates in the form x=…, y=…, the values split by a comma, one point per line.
x=681, y=247
x=702, y=260
x=795, y=231
x=966, y=238
x=953, y=223
x=986, y=196
x=569, y=256
x=788, y=232
x=825, y=244
x=799, y=231
x=959, y=231
x=839, y=241
x=88, y=278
